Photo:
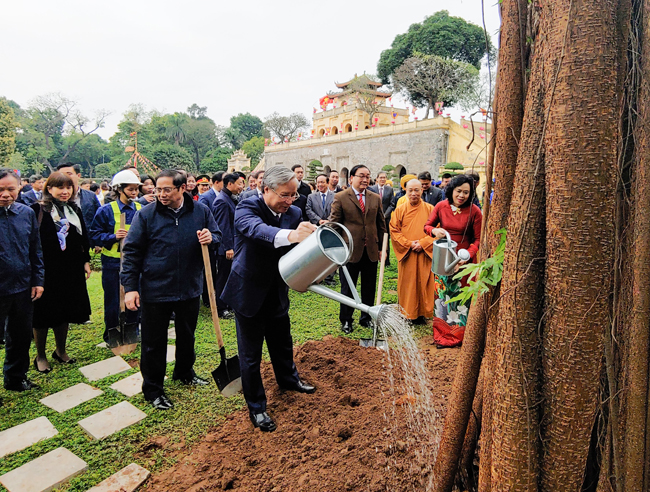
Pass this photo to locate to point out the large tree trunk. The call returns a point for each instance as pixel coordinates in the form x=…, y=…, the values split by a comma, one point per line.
x=580, y=142
x=514, y=463
x=636, y=399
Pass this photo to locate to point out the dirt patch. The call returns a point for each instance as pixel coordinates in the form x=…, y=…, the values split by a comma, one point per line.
x=338, y=439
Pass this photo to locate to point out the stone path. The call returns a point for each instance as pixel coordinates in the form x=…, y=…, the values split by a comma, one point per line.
x=171, y=353
x=171, y=333
x=45, y=473
x=111, y=420
x=26, y=434
x=127, y=479
x=71, y=397
x=105, y=368
x=56, y=467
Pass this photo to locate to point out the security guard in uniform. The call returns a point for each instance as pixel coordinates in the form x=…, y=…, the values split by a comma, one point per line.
x=105, y=232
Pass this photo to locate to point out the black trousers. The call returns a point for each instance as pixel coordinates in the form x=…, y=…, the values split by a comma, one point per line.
x=111, y=287
x=153, y=361
x=251, y=333
x=368, y=271
x=18, y=311
x=223, y=271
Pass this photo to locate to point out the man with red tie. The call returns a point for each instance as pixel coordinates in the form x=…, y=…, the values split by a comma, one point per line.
x=359, y=209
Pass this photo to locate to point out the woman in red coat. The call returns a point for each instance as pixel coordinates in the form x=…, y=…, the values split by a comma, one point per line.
x=462, y=220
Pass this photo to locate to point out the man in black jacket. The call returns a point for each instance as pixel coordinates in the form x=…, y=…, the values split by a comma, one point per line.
x=162, y=252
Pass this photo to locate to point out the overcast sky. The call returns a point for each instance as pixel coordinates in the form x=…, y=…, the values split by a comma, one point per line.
x=231, y=56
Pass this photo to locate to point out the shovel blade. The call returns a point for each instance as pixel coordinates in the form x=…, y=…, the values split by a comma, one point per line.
x=130, y=333
x=114, y=337
x=228, y=376
x=370, y=343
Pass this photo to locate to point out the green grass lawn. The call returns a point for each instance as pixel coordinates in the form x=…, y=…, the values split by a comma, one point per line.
x=195, y=411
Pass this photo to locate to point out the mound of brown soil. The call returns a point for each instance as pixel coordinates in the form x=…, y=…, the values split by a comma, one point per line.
x=338, y=439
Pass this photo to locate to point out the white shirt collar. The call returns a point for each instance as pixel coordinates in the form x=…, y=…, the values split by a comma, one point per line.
x=275, y=214
x=358, y=192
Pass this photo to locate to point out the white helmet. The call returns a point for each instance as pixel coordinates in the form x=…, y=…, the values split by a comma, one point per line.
x=125, y=177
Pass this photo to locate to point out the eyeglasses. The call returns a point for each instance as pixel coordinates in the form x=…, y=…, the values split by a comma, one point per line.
x=362, y=176
x=286, y=198
x=165, y=191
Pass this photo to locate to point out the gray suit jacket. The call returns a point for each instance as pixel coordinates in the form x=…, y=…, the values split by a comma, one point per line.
x=315, y=210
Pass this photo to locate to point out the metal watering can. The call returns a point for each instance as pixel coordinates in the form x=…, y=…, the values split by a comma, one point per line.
x=444, y=256
x=318, y=256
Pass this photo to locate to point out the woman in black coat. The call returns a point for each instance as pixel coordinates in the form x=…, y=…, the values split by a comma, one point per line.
x=67, y=267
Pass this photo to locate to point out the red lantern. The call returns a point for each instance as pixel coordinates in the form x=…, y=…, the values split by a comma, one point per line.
x=373, y=125
x=393, y=122
x=482, y=163
x=376, y=120
x=416, y=118
x=448, y=115
x=481, y=128
x=465, y=126
x=482, y=136
x=463, y=117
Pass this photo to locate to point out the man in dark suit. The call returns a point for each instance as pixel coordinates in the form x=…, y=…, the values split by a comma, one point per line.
x=265, y=229
x=386, y=193
x=319, y=207
x=223, y=209
x=304, y=190
x=430, y=194
x=208, y=197
x=334, y=182
x=359, y=209
x=85, y=199
x=257, y=191
x=36, y=193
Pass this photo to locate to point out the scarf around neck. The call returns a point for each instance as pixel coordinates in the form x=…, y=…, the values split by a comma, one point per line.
x=63, y=215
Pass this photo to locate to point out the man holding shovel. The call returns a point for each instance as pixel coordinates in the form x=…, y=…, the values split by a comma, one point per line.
x=162, y=252
x=265, y=229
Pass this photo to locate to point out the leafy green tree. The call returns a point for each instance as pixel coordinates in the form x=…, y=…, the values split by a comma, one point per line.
x=200, y=138
x=246, y=126
x=176, y=126
x=439, y=34
x=254, y=148
x=197, y=112
x=167, y=156
x=216, y=160
x=285, y=127
x=8, y=125
x=88, y=153
x=425, y=79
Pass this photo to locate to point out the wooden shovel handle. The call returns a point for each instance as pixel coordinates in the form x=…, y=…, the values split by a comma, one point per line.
x=122, y=226
x=384, y=249
x=213, y=298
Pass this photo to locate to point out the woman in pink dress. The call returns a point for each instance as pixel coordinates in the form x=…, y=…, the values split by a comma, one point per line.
x=462, y=220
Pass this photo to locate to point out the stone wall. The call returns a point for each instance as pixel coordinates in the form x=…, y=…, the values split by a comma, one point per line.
x=414, y=151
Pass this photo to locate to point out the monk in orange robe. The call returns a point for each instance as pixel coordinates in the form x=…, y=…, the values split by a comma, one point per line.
x=413, y=249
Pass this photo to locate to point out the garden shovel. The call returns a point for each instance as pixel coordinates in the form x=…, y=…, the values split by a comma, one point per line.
x=374, y=341
x=123, y=339
x=227, y=374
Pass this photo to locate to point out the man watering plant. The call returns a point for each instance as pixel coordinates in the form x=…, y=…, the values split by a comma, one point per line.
x=265, y=229
x=162, y=253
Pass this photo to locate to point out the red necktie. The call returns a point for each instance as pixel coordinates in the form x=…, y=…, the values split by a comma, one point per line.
x=381, y=192
x=363, y=207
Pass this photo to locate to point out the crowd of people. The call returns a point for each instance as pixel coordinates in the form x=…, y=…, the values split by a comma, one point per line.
x=150, y=232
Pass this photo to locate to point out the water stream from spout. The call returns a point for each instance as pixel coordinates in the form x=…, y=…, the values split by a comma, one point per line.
x=409, y=387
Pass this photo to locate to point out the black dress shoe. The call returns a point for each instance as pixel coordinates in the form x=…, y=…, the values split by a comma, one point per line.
x=301, y=387
x=56, y=357
x=346, y=327
x=44, y=371
x=226, y=314
x=24, y=385
x=366, y=323
x=263, y=421
x=162, y=403
x=194, y=381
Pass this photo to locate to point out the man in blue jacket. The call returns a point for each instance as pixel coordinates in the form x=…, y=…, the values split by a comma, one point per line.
x=223, y=209
x=162, y=254
x=265, y=229
x=21, y=279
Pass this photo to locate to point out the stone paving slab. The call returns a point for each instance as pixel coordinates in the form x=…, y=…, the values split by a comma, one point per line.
x=24, y=435
x=171, y=333
x=45, y=473
x=129, y=386
x=128, y=479
x=105, y=368
x=111, y=420
x=71, y=397
x=171, y=353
